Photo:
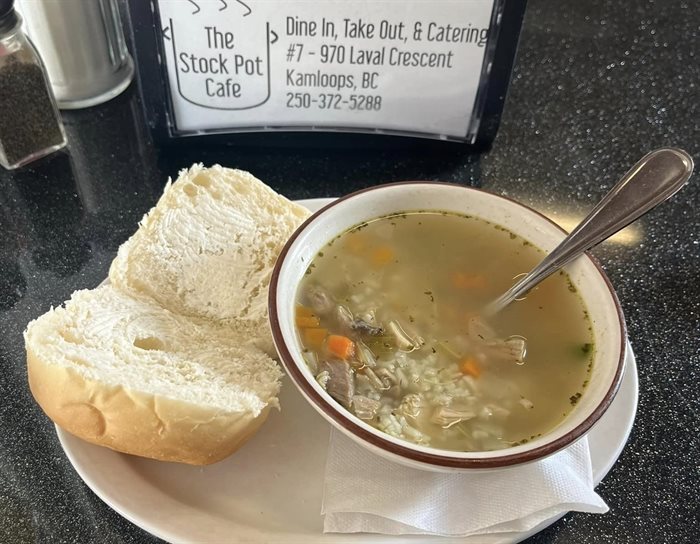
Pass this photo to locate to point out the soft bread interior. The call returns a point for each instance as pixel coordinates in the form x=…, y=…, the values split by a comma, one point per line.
x=207, y=249
x=114, y=338
x=122, y=372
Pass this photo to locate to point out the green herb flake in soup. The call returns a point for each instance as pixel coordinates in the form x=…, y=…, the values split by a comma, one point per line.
x=388, y=315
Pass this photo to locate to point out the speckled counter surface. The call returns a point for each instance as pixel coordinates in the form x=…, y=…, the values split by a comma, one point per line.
x=596, y=85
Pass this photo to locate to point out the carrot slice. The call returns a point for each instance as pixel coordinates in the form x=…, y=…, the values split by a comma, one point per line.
x=304, y=311
x=470, y=367
x=356, y=242
x=468, y=281
x=340, y=346
x=382, y=255
x=313, y=338
x=307, y=322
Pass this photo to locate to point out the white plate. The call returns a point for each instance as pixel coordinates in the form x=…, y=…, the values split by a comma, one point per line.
x=271, y=490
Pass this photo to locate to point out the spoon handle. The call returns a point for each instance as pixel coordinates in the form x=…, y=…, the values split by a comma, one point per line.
x=655, y=178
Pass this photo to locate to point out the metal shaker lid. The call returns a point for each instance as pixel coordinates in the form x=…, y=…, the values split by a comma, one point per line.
x=8, y=16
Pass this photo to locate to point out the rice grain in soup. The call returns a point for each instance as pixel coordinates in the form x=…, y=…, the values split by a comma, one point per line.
x=389, y=317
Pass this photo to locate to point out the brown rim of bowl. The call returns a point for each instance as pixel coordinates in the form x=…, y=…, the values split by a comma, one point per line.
x=342, y=417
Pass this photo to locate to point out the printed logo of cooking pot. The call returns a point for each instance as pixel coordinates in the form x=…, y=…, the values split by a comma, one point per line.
x=217, y=64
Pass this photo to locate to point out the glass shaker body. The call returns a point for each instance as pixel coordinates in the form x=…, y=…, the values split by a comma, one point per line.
x=30, y=124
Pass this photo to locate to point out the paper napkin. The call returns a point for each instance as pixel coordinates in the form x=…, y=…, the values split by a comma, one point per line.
x=367, y=493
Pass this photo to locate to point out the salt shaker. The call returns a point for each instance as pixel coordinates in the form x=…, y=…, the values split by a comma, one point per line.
x=83, y=47
x=30, y=125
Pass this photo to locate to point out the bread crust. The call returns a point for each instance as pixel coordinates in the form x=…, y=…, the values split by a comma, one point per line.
x=135, y=422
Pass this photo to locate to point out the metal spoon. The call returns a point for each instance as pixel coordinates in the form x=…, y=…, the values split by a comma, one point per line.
x=655, y=178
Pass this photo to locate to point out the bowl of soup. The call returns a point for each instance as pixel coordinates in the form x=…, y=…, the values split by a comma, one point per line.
x=377, y=309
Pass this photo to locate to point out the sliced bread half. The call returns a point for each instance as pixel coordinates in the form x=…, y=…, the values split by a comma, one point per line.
x=120, y=371
x=207, y=249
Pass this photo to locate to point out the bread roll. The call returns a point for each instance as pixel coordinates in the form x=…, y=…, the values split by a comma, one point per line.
x=122, y=372
x=172, y=359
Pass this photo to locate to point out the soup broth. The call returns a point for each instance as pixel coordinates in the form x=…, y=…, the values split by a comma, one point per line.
x=389, y=318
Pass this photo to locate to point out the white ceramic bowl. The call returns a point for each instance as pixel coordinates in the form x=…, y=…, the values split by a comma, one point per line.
x=344, y=213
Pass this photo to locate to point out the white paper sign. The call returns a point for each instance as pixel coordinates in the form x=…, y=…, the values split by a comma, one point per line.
x=397, y=65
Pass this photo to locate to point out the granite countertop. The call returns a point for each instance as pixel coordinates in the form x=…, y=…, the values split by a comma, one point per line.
x=596, y=85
